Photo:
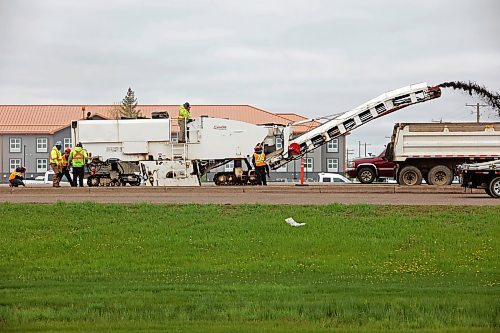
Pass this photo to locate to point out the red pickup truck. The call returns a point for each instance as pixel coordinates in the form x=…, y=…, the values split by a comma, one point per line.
x=368, y=169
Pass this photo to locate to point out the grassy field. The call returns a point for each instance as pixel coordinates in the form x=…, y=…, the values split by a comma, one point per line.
x=219, y=268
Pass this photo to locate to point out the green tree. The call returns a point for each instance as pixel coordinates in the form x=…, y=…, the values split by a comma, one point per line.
x=128, y=108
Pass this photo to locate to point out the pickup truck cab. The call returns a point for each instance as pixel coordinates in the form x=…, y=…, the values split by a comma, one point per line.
x=368, y=169
x=46, y=179
x=332, y=178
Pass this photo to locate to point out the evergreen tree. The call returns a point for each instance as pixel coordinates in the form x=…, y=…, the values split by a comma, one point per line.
x=128, y=108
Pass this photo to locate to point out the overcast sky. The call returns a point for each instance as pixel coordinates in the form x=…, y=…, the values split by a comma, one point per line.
x=311, y=57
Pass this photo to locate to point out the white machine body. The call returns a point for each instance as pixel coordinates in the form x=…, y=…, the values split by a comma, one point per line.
x=138, y=139
x=164, y=162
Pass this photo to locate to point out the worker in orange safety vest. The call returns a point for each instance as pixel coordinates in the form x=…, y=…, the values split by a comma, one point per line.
x=17, y=176
x=65, y=167
x=261, y=167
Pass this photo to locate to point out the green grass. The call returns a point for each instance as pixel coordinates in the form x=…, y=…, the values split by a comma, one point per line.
x=218, y=268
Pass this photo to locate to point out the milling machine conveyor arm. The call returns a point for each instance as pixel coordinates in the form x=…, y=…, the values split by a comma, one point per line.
x=346, y=122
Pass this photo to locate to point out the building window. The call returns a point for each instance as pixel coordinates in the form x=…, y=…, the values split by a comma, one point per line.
x=15, y=145
x=332, y=164
x=308, y=164
x=333, y=146
x=279, y=143
x=68, y=143
x=14, y=163
x=174, y=137
x=229, y=166
x=41, y=145
x=41, y=165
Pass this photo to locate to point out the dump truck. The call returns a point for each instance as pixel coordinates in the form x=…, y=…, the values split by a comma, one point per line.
x=432, y=151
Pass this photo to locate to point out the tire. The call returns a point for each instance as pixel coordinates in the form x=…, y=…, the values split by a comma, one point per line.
x=410, y=176
x=366, y=175
x=494, y=187
x=440, y=175
x=93, y=181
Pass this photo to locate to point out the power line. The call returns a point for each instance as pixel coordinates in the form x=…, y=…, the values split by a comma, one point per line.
x=478, y=106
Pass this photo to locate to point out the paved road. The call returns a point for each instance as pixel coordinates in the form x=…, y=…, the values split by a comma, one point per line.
x=314, y=194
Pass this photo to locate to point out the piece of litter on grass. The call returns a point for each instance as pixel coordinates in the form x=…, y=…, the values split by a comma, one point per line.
x=293, y=223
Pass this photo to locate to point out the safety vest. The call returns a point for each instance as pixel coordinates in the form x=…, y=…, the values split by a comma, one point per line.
x=15, y=174
x=64, y=160
x=183, y=113
x=55, y=156
x=259, y=159
x=78, y=156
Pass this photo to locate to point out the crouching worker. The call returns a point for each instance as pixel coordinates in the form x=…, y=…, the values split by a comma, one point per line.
x=16, y=177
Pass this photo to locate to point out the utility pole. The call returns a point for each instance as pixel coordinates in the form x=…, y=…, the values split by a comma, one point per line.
x=478, y=106
x=359, y=147
x=366, y=144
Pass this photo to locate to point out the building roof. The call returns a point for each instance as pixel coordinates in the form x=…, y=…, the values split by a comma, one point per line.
x=302, y=127
x=48, y=119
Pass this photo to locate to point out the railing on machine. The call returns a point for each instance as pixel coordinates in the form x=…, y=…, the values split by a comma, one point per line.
x=346, y=122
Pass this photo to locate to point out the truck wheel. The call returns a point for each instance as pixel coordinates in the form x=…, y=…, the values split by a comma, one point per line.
x=410, y=176
x=440, y=175
x=494, y=187
x=366, y=175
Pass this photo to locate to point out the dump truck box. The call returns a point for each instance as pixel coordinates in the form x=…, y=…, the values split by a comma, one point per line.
x=431, y=151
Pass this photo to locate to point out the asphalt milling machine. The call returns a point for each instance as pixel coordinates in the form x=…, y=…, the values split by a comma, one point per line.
x=142, y=151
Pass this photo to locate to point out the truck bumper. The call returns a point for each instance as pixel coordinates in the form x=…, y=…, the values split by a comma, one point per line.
x=351, y=172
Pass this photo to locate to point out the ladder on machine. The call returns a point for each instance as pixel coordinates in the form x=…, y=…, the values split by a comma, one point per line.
x=179, y=151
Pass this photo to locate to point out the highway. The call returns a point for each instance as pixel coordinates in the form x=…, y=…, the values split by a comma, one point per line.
x=276, y=194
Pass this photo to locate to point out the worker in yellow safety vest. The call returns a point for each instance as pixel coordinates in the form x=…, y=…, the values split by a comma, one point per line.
x=183, y=120
x=56, y=163
x=16, y=177
x=77, y=159
x=259, y=162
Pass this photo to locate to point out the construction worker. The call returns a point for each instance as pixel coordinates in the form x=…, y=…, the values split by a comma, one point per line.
x=77, y=159
x=17, y=176
x=65, y=167
x=183, y=120
x=56, y=163
x=261, y=167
